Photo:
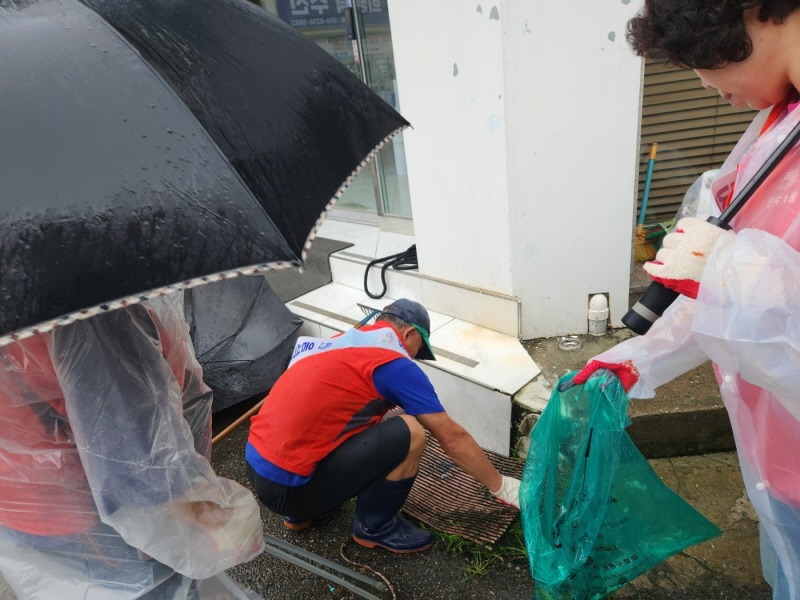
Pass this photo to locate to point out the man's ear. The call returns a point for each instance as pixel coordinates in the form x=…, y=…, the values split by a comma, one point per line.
x=406, y=333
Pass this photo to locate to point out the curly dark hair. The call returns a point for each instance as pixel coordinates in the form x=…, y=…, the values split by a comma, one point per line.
x=700, y=34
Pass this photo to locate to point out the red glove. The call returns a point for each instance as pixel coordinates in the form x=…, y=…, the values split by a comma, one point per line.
x=680, y=262
x=627, y=373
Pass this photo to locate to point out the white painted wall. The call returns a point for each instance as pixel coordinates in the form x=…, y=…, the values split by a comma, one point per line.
x=449, y=64
x=522, y=159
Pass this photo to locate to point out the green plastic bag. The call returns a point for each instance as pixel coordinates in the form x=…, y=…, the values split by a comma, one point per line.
x=594, y=514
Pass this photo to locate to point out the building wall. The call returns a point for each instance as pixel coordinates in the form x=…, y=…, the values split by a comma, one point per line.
x=449, y=63
x=522, y=157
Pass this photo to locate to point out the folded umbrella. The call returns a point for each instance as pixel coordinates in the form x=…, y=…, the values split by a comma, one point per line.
x=151, y=145
x=243, y=336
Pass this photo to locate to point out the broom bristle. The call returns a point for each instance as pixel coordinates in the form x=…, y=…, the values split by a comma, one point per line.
x=642, y=250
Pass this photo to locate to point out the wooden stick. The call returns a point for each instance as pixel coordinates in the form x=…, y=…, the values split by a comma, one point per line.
x=230, y=428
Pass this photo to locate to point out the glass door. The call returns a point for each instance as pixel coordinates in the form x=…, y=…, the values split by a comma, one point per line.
x=357, y=33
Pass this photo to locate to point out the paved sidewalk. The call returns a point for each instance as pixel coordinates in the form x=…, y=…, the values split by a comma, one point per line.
x=727, y=567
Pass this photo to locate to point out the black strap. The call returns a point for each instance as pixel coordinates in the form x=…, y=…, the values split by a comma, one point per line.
x=402, y=261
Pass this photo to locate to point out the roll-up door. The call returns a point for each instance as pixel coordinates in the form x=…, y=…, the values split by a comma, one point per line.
x=695, y=130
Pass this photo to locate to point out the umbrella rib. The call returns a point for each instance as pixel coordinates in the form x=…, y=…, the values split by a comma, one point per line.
x=343, y=188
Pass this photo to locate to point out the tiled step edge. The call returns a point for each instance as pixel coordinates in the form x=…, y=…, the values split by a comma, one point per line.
x=475, y=391
x=488, y=309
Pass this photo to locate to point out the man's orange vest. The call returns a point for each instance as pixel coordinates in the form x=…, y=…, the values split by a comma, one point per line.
x=322, y=400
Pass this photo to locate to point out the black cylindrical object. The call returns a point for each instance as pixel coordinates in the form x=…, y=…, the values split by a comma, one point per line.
x=649, y=308
x=657, y=298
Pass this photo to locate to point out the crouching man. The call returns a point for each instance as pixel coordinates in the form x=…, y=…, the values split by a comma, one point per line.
x=320, y=437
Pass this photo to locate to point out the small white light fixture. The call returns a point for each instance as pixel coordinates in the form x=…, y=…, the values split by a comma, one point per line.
x=598, y=314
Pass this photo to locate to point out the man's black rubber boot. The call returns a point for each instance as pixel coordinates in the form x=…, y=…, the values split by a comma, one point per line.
x=378, y=524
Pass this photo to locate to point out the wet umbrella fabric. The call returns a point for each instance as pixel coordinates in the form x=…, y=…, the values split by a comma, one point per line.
x=151, y=145
x=243, y=336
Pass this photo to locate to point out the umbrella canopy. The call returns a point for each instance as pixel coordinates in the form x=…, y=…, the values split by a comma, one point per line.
x=148, y=146
x=243, y=336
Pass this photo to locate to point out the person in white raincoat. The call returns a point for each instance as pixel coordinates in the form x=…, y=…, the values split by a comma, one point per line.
x=741, y=289
x=106, y=489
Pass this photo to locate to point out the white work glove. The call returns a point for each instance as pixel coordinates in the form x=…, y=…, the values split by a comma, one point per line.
x=509, y=492
x=680, y=262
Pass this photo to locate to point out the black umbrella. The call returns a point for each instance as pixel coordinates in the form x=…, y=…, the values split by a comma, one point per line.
x=243, y=336
x=153, y=145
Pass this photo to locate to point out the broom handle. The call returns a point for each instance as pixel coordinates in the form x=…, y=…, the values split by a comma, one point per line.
x=647, y=181
x=227, y=431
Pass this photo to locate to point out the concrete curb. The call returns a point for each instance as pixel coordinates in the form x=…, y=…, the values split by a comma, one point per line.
x=687, y=416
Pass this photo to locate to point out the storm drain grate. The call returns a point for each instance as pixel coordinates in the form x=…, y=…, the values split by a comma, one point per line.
x=451, y=501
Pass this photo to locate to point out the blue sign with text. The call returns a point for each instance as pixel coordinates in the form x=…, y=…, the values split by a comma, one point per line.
x=327, y=13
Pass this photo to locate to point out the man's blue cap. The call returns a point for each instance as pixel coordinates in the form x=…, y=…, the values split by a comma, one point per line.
x=414, y=314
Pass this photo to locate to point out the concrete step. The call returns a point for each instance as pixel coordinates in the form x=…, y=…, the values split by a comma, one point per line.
x=473, y=305
x=477, y=370
x=687, y=416
x=480, y=364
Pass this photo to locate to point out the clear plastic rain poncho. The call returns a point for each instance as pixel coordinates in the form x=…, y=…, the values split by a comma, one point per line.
x=746, y=319
x=106, y=490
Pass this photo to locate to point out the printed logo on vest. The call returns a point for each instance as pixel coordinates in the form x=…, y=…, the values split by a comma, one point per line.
x=381, y=338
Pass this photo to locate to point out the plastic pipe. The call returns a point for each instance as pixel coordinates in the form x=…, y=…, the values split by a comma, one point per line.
x=598, y=314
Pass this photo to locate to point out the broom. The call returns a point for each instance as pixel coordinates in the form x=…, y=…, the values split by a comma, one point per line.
x=643, y=250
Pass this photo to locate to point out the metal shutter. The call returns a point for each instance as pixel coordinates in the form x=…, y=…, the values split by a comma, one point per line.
x=695, y=130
